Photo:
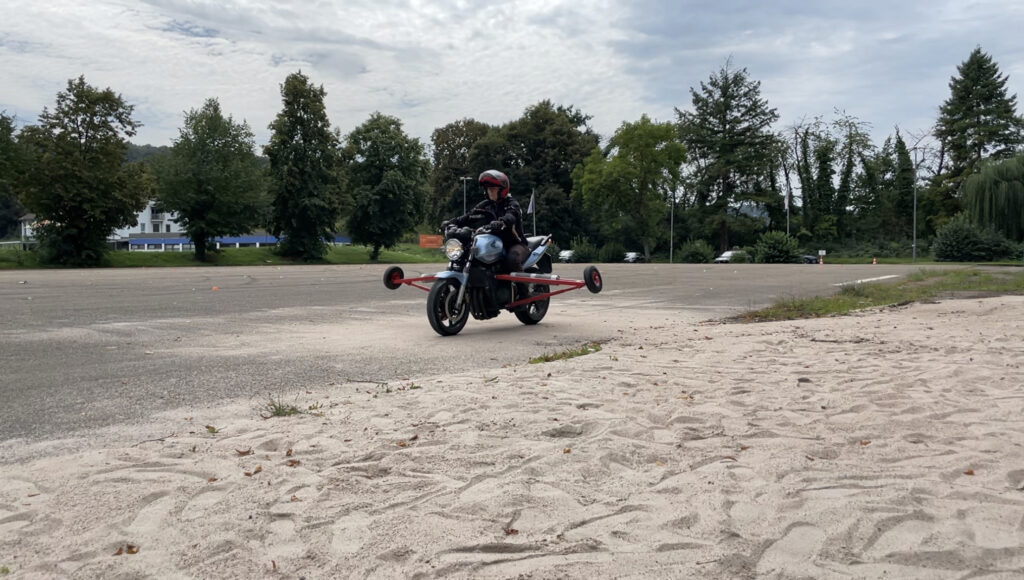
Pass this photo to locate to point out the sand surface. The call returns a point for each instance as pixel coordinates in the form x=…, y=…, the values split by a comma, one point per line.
x=887, y=444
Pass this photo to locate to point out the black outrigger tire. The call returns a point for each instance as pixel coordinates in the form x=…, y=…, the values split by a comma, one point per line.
x=593, y=279
x=446, y=316
x=391, y=275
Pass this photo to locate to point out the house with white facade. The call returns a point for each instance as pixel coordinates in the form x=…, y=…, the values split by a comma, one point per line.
x=160, y=231
x=150, y=221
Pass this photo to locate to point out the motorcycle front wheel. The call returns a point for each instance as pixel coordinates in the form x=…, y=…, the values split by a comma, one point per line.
x=446, y=316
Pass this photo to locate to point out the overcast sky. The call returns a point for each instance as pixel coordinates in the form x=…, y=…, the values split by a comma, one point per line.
x=430, y=63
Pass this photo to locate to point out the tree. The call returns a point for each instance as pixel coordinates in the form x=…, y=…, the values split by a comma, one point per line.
x=212, y=178
x=776, y=248
x=11, y=163
x=978, y=120
x=79, y=186
x=304, y=164
x=732, y=151
x=626, y=188
x=833, y=162
x=994, y=197
x=451, y=148
x=386, y=172
x=539, y=151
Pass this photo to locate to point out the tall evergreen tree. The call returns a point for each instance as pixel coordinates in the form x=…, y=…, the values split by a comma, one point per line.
x=978, y=120
x=304, y=178
x=11, y=163
x=79, y=185
x=386, y=173
x=902, y=207
x=730, y=145
x=212, y=178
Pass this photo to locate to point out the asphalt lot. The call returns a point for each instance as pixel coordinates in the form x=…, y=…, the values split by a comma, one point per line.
x=82, y=349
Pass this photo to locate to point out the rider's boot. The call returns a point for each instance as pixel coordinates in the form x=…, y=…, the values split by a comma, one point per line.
x=522, y=291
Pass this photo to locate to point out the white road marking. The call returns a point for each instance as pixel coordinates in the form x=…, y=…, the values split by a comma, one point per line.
x=867, y=280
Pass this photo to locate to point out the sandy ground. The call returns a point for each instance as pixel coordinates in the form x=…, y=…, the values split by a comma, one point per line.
x=888, y=444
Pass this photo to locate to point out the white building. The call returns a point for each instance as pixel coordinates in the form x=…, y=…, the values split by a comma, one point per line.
x=150, y=221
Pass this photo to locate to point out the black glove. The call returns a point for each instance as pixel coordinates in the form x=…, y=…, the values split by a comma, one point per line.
x=497, y=225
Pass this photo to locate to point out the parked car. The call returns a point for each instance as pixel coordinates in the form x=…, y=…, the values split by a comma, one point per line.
x=634, y=258
x=566, y=255
x=809, y=259
x=727, y=257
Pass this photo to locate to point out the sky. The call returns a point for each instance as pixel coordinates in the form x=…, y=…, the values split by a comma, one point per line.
x=429, y=63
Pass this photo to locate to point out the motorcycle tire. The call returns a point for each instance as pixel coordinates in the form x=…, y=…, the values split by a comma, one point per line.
x=446, y=317
x=534, y=312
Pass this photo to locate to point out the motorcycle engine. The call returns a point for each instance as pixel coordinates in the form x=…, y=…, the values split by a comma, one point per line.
x=502, y=293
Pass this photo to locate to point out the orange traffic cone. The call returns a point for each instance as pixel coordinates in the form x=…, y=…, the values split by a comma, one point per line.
x=874, y=261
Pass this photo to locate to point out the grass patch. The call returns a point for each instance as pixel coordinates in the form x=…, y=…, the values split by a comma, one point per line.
x=567, y=354
x=278, y=408
x=921, y=286
x=13, y=259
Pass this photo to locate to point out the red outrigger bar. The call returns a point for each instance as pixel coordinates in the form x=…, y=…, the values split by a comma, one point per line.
x=594, y=283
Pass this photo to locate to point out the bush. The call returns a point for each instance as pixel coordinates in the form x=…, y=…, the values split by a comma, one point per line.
x=553, y=250
x=612, y=252
x=696, y=252
x=583, y=250
x=776, y=248
x=959, y=240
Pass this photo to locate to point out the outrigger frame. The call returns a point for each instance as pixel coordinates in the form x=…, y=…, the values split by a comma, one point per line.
x=515, y=277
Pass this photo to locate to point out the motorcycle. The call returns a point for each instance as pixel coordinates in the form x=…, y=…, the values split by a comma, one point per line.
x=475, y=282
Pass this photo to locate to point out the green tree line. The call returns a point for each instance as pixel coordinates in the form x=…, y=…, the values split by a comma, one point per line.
x=722, y=174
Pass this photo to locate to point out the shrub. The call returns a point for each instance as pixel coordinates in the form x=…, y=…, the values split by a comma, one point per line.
x=696, y=252
x=612, y=252
x=959, y=240
x=553, y=249
x=776, y=248
x=583, y=250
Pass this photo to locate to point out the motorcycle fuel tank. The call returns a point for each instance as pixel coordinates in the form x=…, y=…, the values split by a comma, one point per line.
x=487, y=248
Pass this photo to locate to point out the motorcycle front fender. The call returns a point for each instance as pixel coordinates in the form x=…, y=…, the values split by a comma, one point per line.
x=460, y=276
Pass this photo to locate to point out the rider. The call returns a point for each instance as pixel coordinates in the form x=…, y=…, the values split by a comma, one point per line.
x=506, y=218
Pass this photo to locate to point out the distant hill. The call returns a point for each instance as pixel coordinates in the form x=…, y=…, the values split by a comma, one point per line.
x=142, y=152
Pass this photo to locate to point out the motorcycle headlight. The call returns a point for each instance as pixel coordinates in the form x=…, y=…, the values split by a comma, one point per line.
x=453, y=249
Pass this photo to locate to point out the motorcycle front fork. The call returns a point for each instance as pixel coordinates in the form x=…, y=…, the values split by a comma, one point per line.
x=462, y=288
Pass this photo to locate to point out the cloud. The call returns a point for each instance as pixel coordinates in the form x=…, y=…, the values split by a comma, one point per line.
x=432, y=63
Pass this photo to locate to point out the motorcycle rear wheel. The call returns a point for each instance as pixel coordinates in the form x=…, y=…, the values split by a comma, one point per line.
x=533, y=312
x=446, y=317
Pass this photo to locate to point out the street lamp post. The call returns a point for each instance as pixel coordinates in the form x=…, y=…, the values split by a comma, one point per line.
x=913, y=243
x=672, y=227
x=464, y=180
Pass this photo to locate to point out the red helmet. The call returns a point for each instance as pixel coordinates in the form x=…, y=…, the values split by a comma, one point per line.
x=494, y=178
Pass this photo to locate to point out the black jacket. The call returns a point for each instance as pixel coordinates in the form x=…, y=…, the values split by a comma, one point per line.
x=506, y=210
